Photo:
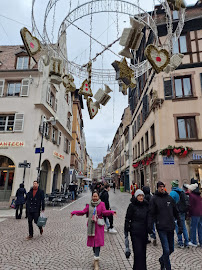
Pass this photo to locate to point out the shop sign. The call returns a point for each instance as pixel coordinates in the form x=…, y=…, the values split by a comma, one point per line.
x=11, y=144
x=58, y=155
x=168, y=161
x=196, y=156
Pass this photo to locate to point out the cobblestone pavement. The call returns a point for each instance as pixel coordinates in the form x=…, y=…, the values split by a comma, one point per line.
x=63, y=244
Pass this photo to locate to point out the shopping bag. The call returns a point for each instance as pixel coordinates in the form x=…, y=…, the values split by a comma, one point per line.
x=13, y=204
x=41, y=220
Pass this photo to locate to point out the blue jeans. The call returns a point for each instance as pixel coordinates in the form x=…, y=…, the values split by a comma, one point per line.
x=96, y=251
x=153, y=235
x=167, y=243
x=196, y=224
x=72, y=193
x=185, y=233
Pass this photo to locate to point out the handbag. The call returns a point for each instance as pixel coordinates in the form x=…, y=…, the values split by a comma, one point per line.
x=13, y=204
x=41, y=220
x=100, y=222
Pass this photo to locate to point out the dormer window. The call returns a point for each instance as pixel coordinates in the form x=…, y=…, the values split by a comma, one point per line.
x=22, y=62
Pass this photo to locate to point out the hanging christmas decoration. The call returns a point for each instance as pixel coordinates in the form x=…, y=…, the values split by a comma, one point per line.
x=102, y=96
x=85, y=89
x=55, y=70
x=68, y=82
x=131, y=37
x=177, y=4
x=31, y=43
x=123, y=88
x=146, y=160
x=92, y=107
x=123, y=71
x=159, y=59
x=175, y=61
x=178, y=151
x=89, y=69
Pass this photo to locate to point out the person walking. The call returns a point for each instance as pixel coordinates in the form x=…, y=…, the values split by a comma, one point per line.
x=195, y=212
x=95, y=211
x=20, y=200
x=104, y=196
x=182, y=202
x=136, y=223
x=163, y=212
x=71, y=190
x=35, y=203
x=114, y=186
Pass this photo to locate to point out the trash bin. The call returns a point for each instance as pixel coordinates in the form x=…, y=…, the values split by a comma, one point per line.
x=122, y=188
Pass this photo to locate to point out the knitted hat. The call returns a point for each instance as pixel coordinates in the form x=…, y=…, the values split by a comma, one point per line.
x=160, y=184
x=175, y=183
x=139, y=192
x=191, y=187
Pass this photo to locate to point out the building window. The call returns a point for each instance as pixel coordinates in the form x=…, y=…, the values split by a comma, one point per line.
x=180, y=46
x=175, y=15
x=186, y=128
x=183, y=87
x=68, y=122
x=138, y=149
x=146, y=140
x=152, y=131
x=7, y=122
x=142, y=145
x=13, y=89
x=54, y=135
x=66, y=146
x=22, y=62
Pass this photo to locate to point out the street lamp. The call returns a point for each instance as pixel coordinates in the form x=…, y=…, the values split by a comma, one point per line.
x=51, y=120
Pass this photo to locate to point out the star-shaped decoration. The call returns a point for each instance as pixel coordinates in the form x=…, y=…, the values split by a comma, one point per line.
x=177, y=4
x=123, y=71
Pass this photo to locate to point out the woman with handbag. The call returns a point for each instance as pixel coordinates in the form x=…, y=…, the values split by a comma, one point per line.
x=95, y=212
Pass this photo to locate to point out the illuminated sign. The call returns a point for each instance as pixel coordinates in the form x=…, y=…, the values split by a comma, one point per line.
x=11, y=144
x=58, y=155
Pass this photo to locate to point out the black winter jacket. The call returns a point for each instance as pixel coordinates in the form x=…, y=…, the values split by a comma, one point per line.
x=147, y=194
x=20, y=194
x=35, y=204
x=136, y=220
x=163, y=212
x=104, y=197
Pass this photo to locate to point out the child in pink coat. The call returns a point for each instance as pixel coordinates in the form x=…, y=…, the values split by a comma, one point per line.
x=95, y=212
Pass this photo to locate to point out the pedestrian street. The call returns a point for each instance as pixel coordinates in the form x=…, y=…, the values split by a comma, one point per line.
x=63, y=243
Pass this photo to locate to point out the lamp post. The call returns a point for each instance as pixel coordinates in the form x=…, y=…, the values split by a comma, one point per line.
x=52, y=120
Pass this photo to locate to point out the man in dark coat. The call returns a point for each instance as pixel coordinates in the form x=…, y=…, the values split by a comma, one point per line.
x=20, y=200
x=163, y=212
x=35, y=202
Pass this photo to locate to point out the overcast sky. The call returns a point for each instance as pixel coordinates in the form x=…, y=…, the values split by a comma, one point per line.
x=15, y=14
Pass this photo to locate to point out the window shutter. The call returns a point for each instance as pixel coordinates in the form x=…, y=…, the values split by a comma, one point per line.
x=2, y=87
x=168, y=91
x=59, y=137
x=41, y=124
x=145, y=107
x=24, y=91
x=69, y=145
x=56, y=105
x=19, y=122
x=48, y=96
x=65, y=145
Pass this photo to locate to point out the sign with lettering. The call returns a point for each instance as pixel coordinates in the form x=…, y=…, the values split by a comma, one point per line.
x=196, y=156
x=58, y=155
x=168, y=161
x=11, y=144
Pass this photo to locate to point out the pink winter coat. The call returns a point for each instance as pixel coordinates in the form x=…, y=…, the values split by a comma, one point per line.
x=98, y=239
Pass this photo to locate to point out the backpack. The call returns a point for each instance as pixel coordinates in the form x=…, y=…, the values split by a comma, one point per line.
x=183, y=204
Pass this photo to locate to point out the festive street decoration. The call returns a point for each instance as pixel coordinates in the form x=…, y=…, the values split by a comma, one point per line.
x=85, y=89
x=177, y=4
x=89, y=69
x=175, y=61
x=92, y=107
x=31, y=43
x=102, y=96
x=68, y=82
x=146, y=160
x=123, y=71
x=131, y=37
x=55, y=70
x=179, y=151
x=159, y=59
x=123, y=88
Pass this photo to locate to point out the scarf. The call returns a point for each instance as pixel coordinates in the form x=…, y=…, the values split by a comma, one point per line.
x=92, y=217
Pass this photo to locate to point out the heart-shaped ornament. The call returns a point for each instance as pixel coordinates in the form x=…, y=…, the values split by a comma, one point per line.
x=31, y=43
x=92, y=108
x=177, y=151
x=159, y=59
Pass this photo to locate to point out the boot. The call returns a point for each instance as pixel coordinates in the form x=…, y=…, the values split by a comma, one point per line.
x=96, y=263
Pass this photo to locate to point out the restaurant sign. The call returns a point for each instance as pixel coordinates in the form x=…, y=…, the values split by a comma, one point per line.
x=58, y=155
x=8, y=144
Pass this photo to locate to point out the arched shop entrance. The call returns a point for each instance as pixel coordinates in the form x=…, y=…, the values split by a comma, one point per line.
x=45, y=175
x=55, y=177
x=7, y=169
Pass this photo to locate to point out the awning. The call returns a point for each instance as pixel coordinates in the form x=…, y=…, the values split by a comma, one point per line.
x=87, y=179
